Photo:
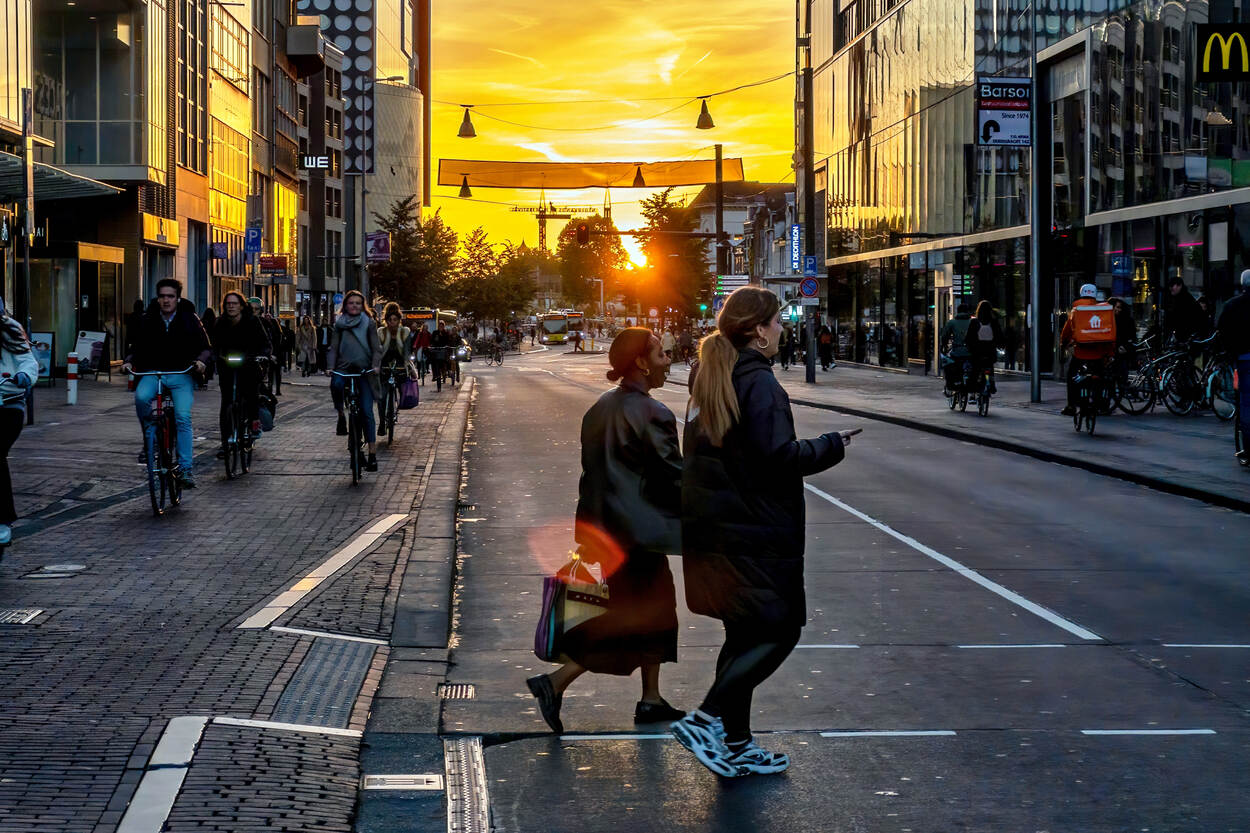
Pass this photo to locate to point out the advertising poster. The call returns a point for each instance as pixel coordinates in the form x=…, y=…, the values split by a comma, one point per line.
x=41, y=345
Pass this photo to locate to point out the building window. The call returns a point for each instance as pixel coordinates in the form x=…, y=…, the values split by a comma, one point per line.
x=192, y=86
x=228, y=54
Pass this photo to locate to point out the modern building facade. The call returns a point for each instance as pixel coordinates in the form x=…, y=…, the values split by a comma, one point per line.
x=1146, y=172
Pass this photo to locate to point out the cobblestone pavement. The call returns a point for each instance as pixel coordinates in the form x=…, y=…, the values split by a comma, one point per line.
x=146, y=631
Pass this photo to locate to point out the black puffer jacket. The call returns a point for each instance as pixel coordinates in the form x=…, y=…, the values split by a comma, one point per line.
x=631, y=472
x=743, y=515
x=247, y=338
x=155, y=347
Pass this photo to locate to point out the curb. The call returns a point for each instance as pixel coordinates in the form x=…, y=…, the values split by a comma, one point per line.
x=1157, y=483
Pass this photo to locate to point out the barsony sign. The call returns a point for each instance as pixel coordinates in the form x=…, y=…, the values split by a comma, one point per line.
x=1003, y=111
x=1223, y=52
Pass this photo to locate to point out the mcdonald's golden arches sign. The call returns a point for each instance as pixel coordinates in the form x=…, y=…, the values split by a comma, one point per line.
x=1223, y=52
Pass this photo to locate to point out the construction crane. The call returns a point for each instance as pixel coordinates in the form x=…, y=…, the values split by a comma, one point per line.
x=551, y=211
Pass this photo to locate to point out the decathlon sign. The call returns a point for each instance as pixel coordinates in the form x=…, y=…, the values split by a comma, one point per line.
x=796, y=250
x=1223, y=52
x=1003, y=111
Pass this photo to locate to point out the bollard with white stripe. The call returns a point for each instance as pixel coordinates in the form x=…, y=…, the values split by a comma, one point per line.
x=71, y=380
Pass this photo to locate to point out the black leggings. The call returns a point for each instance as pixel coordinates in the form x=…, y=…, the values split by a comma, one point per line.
x=11, y=420
x=747, y=659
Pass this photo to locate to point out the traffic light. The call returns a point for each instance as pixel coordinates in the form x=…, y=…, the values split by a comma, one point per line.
x=583, y=233
x=702, y=307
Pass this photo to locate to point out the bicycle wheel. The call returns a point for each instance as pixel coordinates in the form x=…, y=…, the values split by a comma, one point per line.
x=243, y=437
x=983, y=401
x=1239, y=442
x=1221, y=393
x=499, y=359
x=1175, y=396
x=156, y=481
x=1138, y=395
x=230, y=444
x=963, y=402
x=952, y=399
x=169, y=460
x=354, y=461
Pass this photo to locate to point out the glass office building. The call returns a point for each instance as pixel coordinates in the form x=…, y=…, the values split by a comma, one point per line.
x=1146, y=172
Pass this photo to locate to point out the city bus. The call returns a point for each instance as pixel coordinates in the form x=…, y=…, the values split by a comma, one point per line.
x=414, y=318
x=553, y=327
x=576, y=324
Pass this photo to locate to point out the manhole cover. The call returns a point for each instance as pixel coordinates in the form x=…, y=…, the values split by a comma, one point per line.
x=401, y=782
x=18, y=616
x=457, y=691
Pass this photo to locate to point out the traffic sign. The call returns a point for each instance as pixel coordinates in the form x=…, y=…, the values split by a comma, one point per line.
x=809, y=302
x=809, y=265
x=251, y=242
x=653, y=313
x=338, y=298
x=809, y=288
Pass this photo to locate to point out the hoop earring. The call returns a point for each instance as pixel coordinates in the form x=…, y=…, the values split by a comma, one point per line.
x=646, y=371
x=764, y=346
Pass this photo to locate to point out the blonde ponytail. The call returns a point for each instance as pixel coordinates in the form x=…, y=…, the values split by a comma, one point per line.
x=713, y=391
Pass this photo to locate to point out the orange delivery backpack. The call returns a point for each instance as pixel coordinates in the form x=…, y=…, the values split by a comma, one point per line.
x=1093, y=324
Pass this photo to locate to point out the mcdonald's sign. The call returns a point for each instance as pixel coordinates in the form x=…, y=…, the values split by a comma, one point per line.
x=1223, y=52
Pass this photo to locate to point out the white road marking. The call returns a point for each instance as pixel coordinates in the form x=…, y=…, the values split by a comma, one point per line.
x=622, y=736
x=972, y=575
x=1200, y=645
x=288, y=727
x=155, y=795
x=825, y=646
x=920, y=734
x=1044, y=645
x=327, y=635
x=266, y=616
x=1147, y=731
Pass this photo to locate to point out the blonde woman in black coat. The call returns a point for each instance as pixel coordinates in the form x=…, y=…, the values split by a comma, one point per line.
x=743, y=523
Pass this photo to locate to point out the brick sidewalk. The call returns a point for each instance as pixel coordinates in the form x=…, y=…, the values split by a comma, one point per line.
x=146, y=632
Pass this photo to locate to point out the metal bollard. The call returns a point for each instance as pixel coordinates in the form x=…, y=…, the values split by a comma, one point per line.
x=71, y=380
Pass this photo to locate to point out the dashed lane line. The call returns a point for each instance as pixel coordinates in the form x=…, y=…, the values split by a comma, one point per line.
x=1113, y=732
x=327, y=635
x=972, y=575
x=283, y=602
x=1200, y=645
x=932, y=733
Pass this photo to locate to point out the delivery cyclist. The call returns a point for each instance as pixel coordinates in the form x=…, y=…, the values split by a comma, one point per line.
x=1090, y=330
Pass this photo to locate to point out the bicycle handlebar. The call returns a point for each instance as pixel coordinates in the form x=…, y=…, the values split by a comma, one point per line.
x=353, y=375
x=134, y=372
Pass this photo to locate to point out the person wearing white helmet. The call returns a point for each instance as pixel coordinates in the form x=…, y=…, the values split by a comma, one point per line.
x=1084, y=353
x=1233, y=330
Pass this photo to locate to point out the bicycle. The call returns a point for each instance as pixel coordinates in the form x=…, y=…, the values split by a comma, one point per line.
x=438, y=359
x=355, y=423
x=238, y=445
x=393, y=377
x=494, y=355
x=986, y=391
x=1091, y=393
x=957, y=396
x=161, y=446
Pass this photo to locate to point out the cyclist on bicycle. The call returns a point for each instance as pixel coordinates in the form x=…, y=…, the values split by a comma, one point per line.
x=355, y=348
x=1086, y=355
x=1233, y=328
x=440, y=348
x=239, y=334
x=982, y=339
x=668, y=343
x=954, y=336
x=394, y=337
x=169, y=337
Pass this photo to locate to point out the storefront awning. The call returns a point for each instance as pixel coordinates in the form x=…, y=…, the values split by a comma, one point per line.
x=51, y=183
x=555, y=175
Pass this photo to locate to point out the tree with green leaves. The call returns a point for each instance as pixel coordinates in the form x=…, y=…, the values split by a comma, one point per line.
x=602, y=257
x=423, y=255
x=491, y=282
x=676, y=266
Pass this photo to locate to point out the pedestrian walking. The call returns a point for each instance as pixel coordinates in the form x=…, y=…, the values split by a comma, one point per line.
x=1233, y=328
x=306, y=346
x=629, y=500
x=324, y=331
x=18, y=371
x=288, y=343
x=743, y=525
x=786, y=349
x=824, y=347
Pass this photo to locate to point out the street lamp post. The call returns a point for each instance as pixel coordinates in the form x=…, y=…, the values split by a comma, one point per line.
x=364, y=194
x=804, y=42
x=1035, y=219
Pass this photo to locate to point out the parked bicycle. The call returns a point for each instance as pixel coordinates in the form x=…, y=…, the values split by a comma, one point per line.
x=160, y=445
x=355, y=422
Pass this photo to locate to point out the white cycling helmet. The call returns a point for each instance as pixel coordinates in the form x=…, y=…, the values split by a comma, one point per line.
x=1089, y=291
x=1245, y=279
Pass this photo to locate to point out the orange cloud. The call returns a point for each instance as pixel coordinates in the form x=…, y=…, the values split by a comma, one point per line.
x=504, y=51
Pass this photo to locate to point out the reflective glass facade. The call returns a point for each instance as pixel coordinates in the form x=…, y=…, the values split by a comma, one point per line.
x=1146, y=173
x=15, y=65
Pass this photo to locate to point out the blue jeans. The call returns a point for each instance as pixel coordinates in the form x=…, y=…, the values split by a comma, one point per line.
x=1243, y=394
x=180, y=389
x=337, y=386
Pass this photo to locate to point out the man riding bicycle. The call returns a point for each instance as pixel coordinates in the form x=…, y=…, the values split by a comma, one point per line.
x=169, y=337
x=239, y=338
x=440, y=350
x=1088, y=353
x=954, y=337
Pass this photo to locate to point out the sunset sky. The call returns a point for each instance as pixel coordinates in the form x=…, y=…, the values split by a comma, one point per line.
x=505, y=51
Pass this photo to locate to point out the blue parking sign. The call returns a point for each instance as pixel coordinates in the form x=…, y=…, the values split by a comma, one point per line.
x=809, y=265
x=251, y=243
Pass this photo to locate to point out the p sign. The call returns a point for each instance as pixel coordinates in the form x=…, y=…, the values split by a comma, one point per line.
x=251, y=242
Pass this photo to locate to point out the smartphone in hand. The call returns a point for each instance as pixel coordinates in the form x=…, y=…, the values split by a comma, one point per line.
x=846, y=435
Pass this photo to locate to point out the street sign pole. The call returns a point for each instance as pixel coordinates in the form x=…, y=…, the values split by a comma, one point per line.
x=28, y=202
x=1035, y=224
x=809, y=175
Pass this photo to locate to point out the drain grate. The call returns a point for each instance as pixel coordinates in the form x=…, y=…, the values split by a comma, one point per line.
x=457, y=691
x=468, y=802
x=18, y=616
x=402, y=782
x=324, y=688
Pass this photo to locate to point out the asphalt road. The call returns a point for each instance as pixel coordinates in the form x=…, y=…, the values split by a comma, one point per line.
x=1017, y=621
